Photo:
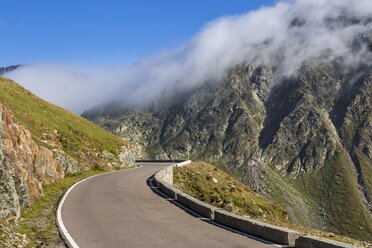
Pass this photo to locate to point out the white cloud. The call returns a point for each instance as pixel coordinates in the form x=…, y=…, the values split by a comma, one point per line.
x=75, y=88
x=285, y=35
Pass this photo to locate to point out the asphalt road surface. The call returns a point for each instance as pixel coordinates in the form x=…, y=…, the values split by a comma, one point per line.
x=121, y=209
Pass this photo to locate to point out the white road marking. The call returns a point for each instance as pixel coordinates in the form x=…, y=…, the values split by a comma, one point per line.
x=62, y=228
x=73, y=244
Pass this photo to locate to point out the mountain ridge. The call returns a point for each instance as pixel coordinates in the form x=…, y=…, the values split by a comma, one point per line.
x=7, y=69
x=275, y=137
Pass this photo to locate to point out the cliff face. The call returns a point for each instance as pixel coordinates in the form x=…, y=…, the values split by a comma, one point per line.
x=25, y=166
x=304, y=142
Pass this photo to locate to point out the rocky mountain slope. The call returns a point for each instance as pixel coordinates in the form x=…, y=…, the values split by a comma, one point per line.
x=4, y=70
x=41, y=143
x=304, y=142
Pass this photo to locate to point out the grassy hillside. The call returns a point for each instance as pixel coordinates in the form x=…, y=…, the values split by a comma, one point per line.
x=59, y=130
x=213, y=186
x=79, y=137
x=332, y=187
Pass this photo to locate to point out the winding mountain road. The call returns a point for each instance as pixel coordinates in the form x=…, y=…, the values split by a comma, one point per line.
x=121, y=209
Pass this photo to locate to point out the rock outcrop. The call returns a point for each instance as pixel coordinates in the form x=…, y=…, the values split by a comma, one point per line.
x=126, y=158
x=25, y=165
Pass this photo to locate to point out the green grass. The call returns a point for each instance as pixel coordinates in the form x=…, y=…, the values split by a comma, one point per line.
x=336, y=191
x=283, y=193
x=199, y=181
x=366, y=168
x=233, y=196
x=79, y=137
x=55, y=128
x=38, y=222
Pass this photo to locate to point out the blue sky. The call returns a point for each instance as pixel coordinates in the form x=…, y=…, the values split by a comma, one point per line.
x=104, y=32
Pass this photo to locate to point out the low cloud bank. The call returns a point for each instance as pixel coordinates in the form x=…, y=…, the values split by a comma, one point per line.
x=283, y=35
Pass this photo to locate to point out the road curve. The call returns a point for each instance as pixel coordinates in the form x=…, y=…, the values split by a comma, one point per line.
x=121, y=210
